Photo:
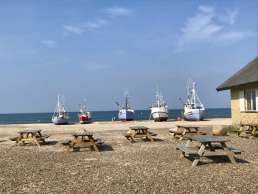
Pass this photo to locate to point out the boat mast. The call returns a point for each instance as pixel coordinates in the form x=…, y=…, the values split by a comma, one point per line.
x=126, y=102
x=58, y=105
x=188, y=89
x=194, y=94
x=158, y=100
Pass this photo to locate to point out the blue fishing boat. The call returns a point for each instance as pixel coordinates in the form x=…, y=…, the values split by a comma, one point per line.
x=126, y=113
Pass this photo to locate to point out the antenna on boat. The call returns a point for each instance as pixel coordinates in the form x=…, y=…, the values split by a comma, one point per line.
x=180, y=100
x=126, y=95
x=117, y=103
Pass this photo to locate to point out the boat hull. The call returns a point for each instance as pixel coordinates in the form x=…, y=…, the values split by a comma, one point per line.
x=84, y=118
x=160, y=116
x=159, y=113
x=193, y=114
x=59, y=120
x=126, y=115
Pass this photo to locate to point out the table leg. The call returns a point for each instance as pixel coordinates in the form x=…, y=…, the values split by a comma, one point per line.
x=182, y=155
x=18, y=139
x=133, y=136
x=94, y=145
x=211, y=147
x=228, y=152
x=188, y=143
x=36, y=141
x=183, y=134
x=173, y=135
x=200, y=154
x=71, y=146
x=149, y=136
x=254, y=131
x=239, y=131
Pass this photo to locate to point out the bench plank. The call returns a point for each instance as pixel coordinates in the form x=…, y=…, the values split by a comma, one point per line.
x=186, y=150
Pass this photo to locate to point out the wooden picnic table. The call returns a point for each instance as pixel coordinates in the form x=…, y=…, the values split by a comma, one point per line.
x=248, y=129
x=139, y=132
x=82, y=140
x=183, y=130
x=207, y=143
x=31, y=136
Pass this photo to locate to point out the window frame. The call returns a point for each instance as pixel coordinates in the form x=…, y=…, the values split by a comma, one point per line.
x=252, y=91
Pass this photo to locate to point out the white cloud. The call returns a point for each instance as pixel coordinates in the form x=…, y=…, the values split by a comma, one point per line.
x=229, y=17
x=49, y=43
x=97, y=23
x=87, y=26
x=118, y=11
x=201, y=25
x=92, y=25
x=234, y=35
x=73, y=29
x=209, y=26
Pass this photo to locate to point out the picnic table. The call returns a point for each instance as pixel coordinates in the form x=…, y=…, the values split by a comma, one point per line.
x=139, y=132
x=83, y=140
x=248, y=129
x=183, y=130
x=207, y=143
x=30, y=136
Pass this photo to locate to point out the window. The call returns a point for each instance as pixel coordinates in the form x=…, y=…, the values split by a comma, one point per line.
x=250, y=100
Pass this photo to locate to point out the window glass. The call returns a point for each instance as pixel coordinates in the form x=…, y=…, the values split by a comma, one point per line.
x=254, y=100
x=250, y=100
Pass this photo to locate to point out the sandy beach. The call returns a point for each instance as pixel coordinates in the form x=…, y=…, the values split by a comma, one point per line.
x=12, y=129
x=122, y=167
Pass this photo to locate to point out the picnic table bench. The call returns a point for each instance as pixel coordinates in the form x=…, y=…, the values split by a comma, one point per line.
x=139, y=132
x=182, y=130
x=206, y=143
x=248, y=129
x=83, y=139
x=30, y=136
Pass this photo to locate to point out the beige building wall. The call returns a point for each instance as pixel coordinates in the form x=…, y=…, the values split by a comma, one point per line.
x=242, y=116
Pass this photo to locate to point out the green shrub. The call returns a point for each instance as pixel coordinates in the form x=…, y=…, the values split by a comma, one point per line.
x=232, y=129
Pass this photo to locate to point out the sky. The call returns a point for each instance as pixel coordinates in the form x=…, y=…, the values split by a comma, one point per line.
x=95, y=50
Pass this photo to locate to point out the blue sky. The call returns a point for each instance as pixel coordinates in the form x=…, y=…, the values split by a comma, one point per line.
x=96, y=50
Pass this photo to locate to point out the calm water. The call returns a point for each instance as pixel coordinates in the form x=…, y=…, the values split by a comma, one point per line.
x=101, y=116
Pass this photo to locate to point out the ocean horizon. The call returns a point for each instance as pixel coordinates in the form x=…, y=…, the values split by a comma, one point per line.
x=28, y=118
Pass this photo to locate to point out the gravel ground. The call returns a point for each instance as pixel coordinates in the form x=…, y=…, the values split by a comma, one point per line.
x=122, y=167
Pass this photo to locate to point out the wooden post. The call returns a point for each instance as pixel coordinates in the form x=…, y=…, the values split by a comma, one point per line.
x=94, y=144
x=228, y=152
x=200, y=154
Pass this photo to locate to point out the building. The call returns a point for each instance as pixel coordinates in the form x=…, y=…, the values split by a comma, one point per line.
x=243, y=87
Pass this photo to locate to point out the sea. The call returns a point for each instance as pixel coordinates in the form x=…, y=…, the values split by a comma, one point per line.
x=28, y=118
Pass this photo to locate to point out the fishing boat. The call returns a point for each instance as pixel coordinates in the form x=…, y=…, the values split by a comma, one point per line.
x=60, y=116
x=159, y=109
x=84, y=115
x=125, y=113
x=193, y=108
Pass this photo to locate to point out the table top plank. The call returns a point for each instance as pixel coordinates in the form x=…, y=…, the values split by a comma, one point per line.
x=139, y=128
x=208, y=138
x=188, y=126
x=83, y=133
x=30, y=131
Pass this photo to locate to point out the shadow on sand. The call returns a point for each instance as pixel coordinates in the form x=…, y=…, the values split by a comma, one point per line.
x=218, y=159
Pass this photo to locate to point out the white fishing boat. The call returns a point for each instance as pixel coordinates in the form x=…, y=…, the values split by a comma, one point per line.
x=159, y=109
x=60, y=116
x=125, y=113
x=84, y=115
x=193, y=108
